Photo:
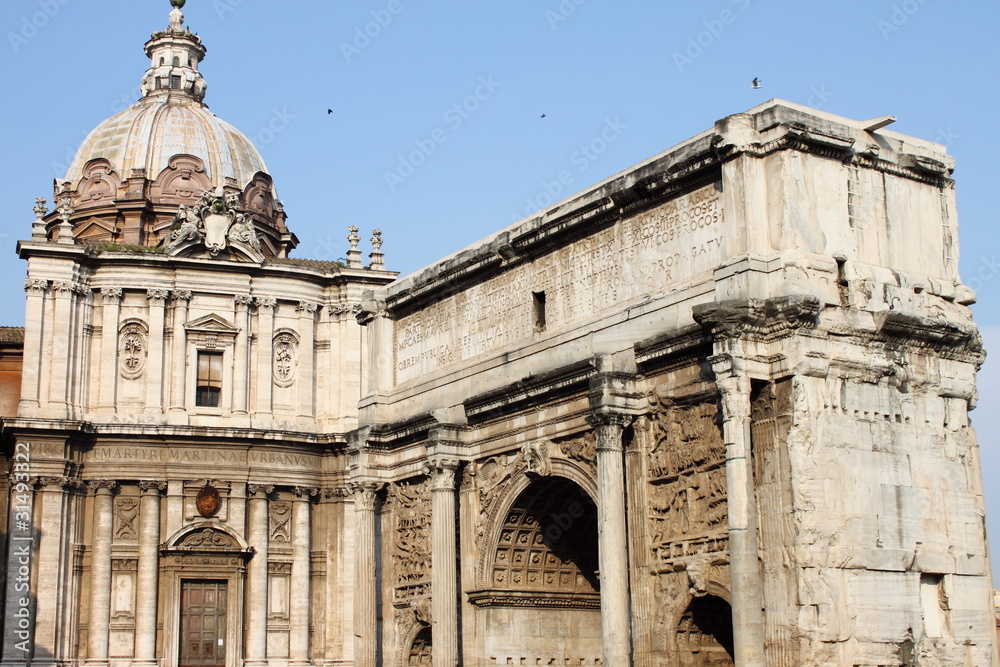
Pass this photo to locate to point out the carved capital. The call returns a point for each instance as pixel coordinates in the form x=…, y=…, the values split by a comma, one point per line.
x=304, y=492
x=608, y=428
x=158, y=296
x=260, y=490
x=63, y=287
x=365, y=494
x=60, y=482
x=111, y=295
x=152, y=487
x=243, y=301
x=36, y=286
x=103, y=486
x=337, y=492
x=307, y=307
x=181, y=295
x=441, y=470
x=266, y=302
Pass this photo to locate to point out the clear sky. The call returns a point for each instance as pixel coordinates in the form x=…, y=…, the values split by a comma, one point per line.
x=648, y=74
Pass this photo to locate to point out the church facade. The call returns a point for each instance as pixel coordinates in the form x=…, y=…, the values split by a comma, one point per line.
x=712, y=411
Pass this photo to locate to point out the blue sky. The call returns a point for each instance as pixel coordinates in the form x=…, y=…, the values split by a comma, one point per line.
x=648, y=74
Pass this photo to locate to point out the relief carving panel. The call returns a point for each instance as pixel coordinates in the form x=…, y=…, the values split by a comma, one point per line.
x=126, y=510
x=411, y=548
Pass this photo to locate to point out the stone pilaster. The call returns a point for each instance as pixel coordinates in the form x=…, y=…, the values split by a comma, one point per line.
x=112, y=299
x=258, y=538
x=643, y=601
x=59, y=337
x=148, y=579
x=744, y=561
x=265, y=352
x=365, y=558
x=241, y=360
x=298, y=617
x=154, y=365
x=307, y=355
x=612, y=537
x=178, y=384
x=444, y=556
x=54, y=567
x=34, y=316
x=100, y=575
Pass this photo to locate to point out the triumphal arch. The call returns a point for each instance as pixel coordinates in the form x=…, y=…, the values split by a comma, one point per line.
x=712, y=411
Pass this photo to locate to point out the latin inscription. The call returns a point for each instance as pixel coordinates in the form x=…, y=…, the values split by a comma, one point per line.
x=654, y=250
x=280, y=459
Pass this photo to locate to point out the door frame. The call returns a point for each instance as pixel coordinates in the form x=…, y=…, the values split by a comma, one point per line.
x=224, y=561
x=188, y=580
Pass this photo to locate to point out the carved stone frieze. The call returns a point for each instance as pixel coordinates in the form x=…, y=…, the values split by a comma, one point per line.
x=582, y=449
x=411, y=547
x=535, y=457
x=124, y=565
x=687, y=482
x=209, y=539
x=279, y=568
x=758, y=319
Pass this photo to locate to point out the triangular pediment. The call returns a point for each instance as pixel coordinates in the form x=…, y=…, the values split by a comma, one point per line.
x=212, y=324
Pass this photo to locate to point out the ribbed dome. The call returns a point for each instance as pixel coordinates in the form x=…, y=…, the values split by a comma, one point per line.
x=148, y=134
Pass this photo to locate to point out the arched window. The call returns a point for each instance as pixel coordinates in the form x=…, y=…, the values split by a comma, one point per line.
x=705, y=633
x=177, y=61
x=420, y=650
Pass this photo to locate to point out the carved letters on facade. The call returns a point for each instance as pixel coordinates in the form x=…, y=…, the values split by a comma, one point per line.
x=286, y=352
x=281, y=515
x=688, y=512
x=126, y=509
x=132, y=350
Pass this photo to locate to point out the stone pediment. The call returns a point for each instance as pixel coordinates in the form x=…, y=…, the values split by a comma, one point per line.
x=212, y=324
x=205, y=537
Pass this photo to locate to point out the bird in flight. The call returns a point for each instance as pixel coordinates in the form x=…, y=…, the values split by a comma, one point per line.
x=543, y=115
x=329, y=111
x=756, y=84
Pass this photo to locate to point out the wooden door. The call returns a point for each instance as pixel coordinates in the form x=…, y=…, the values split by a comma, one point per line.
x=203, y=624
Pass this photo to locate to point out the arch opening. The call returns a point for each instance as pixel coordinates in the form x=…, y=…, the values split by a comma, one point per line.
x=705, y=634
x=421, y=649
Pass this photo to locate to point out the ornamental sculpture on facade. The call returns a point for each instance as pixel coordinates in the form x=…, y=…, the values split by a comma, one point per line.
x=217, y=223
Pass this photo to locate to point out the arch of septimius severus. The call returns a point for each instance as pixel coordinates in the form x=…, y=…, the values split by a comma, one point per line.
x=712, y=411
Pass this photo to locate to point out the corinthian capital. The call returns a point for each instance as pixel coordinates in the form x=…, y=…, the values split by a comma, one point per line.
x=365, y=492
x=441, y=470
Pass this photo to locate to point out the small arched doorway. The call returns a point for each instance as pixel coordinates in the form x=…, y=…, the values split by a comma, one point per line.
x=542, y=592
x=705, y=634
x=421, y=650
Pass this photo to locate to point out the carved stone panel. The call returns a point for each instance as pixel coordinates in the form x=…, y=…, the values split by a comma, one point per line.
x=281, y=515
x=126, y=510
x=411, y=549
x=132, y=350
x=687, y=494
x=285, y=360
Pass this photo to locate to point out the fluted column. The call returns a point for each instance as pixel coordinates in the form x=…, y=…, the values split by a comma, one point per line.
x=265, y=352
x=307, y=354
x=256, y=651
x=241, y=352
x=365, y=557
x=178, y=372
x=444, y=556
x=154, y=365
x=148, y=575
x=298, y=616
x=612, y=538
x=744, y=564
x=34, y=314
x=100, y=575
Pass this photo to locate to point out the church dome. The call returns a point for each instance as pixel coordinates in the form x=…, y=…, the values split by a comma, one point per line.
x=147, y=135
x=139, y=173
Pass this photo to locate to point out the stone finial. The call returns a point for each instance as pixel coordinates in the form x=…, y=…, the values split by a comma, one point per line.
x=38, y=226
x=65, y=213
x=377, y=256
x=354, y=255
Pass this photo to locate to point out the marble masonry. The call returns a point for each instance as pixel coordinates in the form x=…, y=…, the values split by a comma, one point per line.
x=712, y=411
